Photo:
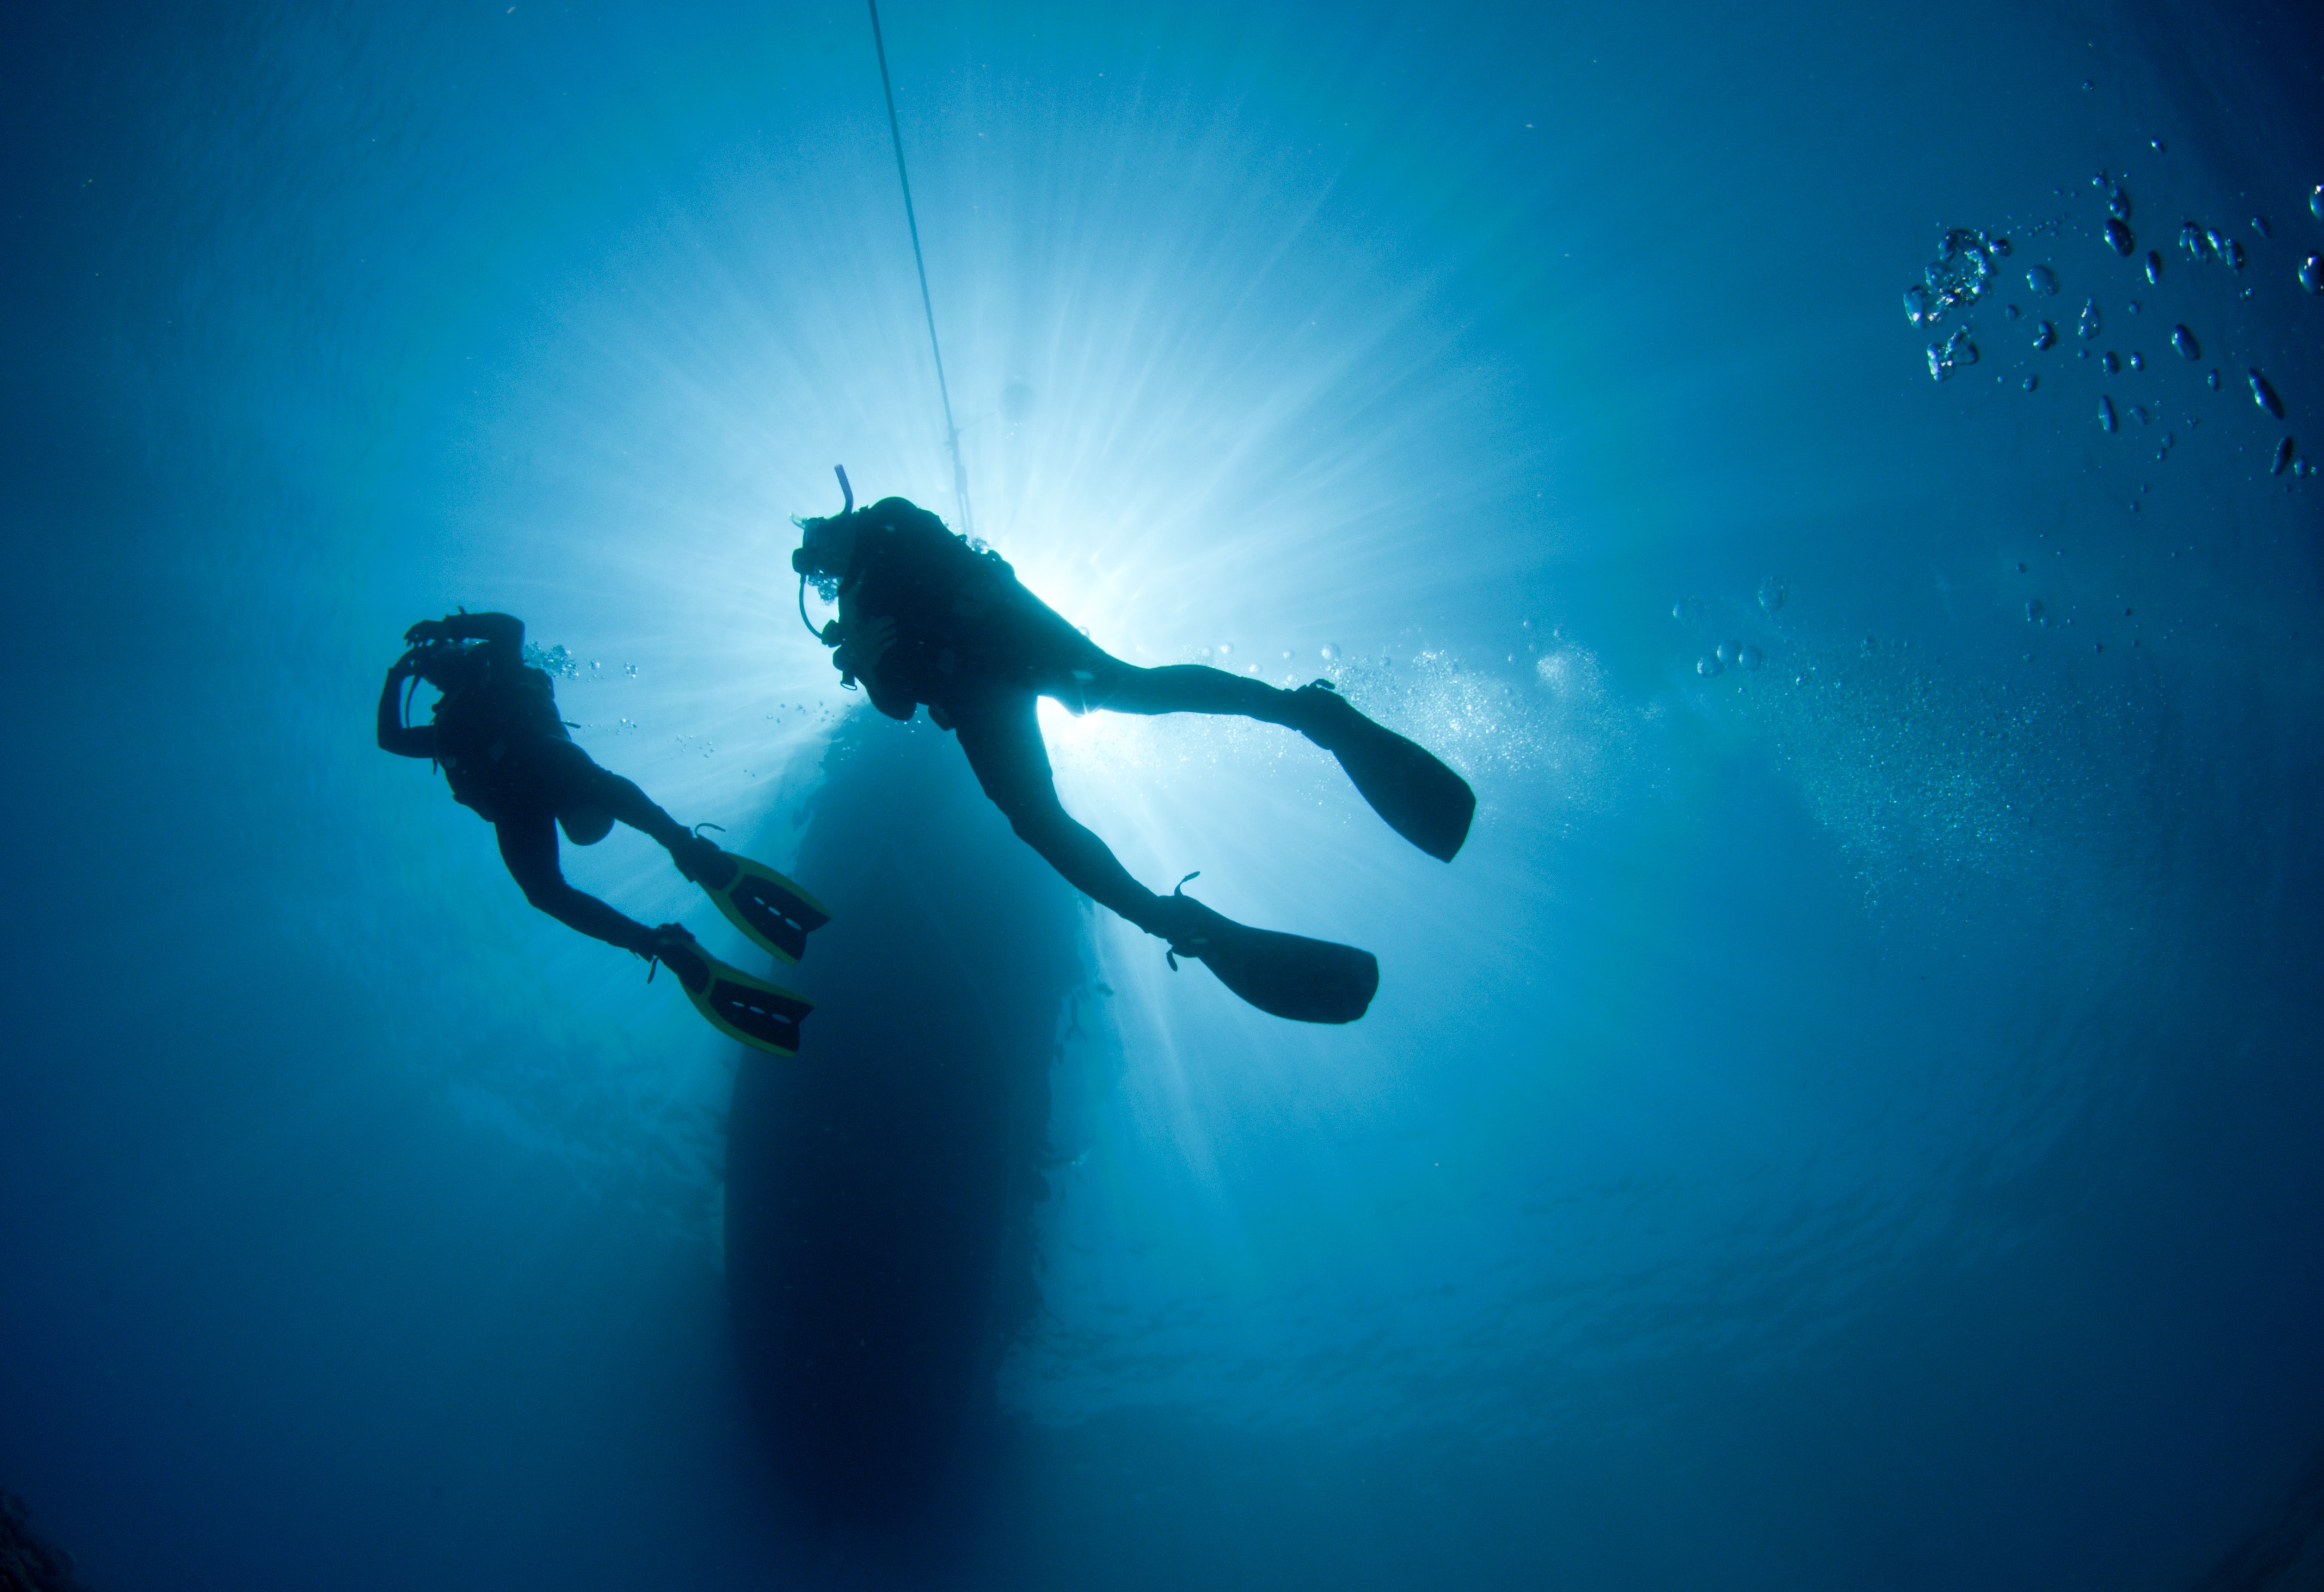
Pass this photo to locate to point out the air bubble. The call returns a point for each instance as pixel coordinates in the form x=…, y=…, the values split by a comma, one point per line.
x=2212, y=381
x=2264, y=395
x=1708, y=667
x=2311, y=273
x=2031, y=382
x=1331, y=652
x=2118, y=237
x=2109, y=361
x=2184, y=342
x=2137, y=360
x=2316, y=201
x=2034, y=612
x=2041, y=279
x=1773, y=593
x=2107, y=420
x=2153, y=268
x=1729, y=651
x=1952, y=354
x=1225, y=648
x=1750, y=657
x=2092, y=323
x=2046, y=336
x=1960, y=274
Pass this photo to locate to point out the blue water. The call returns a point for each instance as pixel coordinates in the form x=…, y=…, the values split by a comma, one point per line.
x=1849, y=1122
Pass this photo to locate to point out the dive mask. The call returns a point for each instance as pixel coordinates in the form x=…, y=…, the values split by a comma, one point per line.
x=811, y=561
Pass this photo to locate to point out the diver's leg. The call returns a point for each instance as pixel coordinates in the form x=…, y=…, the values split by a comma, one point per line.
x=999, y=732
x=1420, y=797
x=575, y=779
x=528, y=847
x=1184, y=688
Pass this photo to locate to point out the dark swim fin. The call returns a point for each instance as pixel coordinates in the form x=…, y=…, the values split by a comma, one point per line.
x=764, y=904
x=1287, y=975
x=763, y=1016
x=1421, y=799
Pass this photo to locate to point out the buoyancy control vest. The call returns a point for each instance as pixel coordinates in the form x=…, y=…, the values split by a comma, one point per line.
x=487, y=723
x=958, y=606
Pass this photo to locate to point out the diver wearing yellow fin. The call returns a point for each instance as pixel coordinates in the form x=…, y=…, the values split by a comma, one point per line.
x=496, y=735
x=928, y=617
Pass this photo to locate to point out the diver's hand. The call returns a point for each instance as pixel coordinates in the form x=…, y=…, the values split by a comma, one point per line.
x=407, y=665
x=426, y=630
x=866, y=642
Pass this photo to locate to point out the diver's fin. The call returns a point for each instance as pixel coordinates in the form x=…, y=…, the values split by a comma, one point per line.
x=767, y=907
x=1421, y=799
x=1287, y=975
x=764, y=1016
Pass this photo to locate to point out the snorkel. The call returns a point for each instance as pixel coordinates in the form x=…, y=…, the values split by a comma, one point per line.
x=826, y=582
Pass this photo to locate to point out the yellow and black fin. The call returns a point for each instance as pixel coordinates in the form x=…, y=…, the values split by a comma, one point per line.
x=763, y=1016
x=771, y=909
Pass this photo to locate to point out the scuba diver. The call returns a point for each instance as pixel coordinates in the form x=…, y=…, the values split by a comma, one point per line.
x=924, y=616
x=496, y=735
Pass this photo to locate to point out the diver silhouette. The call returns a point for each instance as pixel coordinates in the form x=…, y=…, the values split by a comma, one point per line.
x=496, y=734
x=925, y=617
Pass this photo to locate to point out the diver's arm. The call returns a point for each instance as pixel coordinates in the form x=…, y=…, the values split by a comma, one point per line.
x=872, y=642
x=867, y=640
x=409, y=740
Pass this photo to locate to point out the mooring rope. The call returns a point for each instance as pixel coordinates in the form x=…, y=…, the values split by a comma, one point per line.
x=952, y=432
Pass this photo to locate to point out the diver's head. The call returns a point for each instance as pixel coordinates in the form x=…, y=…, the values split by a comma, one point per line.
x=827, y=544
x=445, y=665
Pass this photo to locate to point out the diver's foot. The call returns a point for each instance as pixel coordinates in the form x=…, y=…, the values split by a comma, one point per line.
x=1326, y=717
x=1420, y=797
x=701, y=860
x=1285, y=975
x=1180, y=922
x=678, y=950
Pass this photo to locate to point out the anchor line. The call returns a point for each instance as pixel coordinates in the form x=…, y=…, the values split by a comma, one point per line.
x=952, y=431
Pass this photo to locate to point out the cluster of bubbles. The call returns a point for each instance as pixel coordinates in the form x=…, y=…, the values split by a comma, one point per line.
x=2208, y=243
x=1968, y=268
x=555, y=660
x=1949, y=355
x=1905, y=766
x=1960, y=274
x=1965, y=266
x=1731, y=654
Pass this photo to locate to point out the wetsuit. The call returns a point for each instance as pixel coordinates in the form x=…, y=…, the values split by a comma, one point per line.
x=506, y=754
x=979, y=650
